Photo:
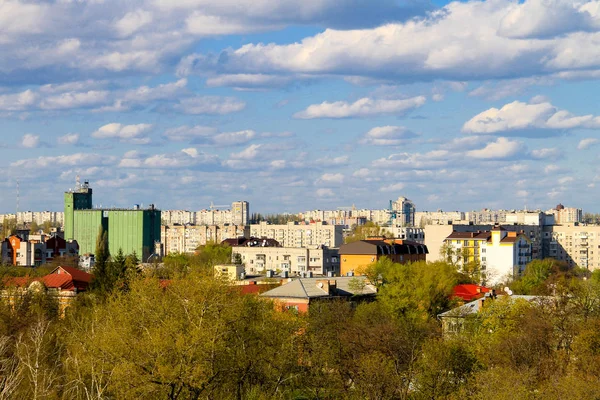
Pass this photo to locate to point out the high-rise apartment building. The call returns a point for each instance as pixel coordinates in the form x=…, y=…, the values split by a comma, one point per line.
x=566, y=215
x=187, y=238
x=240, y=213
x=404, y=211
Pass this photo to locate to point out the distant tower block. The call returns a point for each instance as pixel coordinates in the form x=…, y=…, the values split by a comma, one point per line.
x=79, y=198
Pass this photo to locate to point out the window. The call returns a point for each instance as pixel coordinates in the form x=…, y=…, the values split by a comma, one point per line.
x=465, y=243
x=482, y=258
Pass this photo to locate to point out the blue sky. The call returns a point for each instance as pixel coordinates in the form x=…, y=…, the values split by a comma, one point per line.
x=301, y=105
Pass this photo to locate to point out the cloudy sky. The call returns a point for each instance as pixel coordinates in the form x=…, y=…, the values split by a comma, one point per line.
x=301, y=105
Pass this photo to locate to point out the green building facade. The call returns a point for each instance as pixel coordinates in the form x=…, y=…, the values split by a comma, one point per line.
x=130, y=230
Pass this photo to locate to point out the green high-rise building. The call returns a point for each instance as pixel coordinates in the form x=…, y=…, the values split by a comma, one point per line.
x=131, y=230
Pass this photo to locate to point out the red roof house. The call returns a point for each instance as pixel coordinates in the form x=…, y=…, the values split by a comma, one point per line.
x=469, y=291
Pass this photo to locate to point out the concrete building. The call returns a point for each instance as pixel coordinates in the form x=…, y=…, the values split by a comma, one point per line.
x=231, y=272
x=36, y=250
x=566, y=215
x=356, y=256
x=240, y=213
x=294, y=260
x=133, y=230
x=295, y=234
x=577, y=245
x=402, y=212
x=501, y=254
x=405, y=233
x=439, y=217
x=187, y=238
x=177, y=217
x=435, y=235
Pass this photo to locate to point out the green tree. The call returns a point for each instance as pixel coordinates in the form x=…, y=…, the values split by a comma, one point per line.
x=362, y=232
x=103, y=281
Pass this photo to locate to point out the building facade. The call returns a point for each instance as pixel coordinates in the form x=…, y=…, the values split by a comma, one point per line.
x=295, y=234
x=187, y=238
x=501, y=254
x=403, y=212
x=133, y=230
x=293, y=260
x=566, y=215
x=357, y=256
x=36, y=250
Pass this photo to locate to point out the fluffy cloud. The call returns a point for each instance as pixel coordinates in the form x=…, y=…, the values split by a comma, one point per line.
x=426, y=161
x=128, y=133
x=332, y=161
x=186, y=158
x=233, y=138
x=184, y=133
x=30, y=141
x=438, y=46
x=69, y=139
x=329, y=178
x=524, y=118
x=502, y=148
x=387, y=136
x=323, y=192
x=364, y=107
x=587, y=143
x=394, y=187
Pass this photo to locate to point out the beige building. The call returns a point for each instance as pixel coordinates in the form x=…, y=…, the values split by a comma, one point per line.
x=566, y=215
x=576, y=245
x=231, y=272
x=439, y=217
x=240, y=213
x=294, y=260
x=295, y=234
x=187, y=238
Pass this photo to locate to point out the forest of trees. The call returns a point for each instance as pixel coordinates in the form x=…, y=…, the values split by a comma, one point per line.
x=137, y=336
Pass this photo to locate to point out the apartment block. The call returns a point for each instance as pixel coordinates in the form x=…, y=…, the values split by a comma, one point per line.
x=566, y=215
x=294, y=260
x=577, y=245
x=405, y=233
x=501, y=254
x=295, y=234
x=35, y=250
x=187, y=238
x=435, y=235
x=439, y=217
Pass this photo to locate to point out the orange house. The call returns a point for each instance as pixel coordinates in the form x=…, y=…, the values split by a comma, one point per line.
x=356, y=256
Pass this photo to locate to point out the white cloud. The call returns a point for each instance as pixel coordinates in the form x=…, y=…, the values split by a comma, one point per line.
x=210, y=105
x=587, y=143
x=522, y=117
x=502, y=148
x=248, y=81
x=333, y=161
x=362, y=173
x=129, y=133
x=233, y=138
x=394, y=187
x=322, y=192
x=249, y=153
x=426, y=161
x=30, y=141
x=77, y=159
x=18, y=101
x=547, y=153
x=387, y=136
x=71, y=100
x=133, y=21
x=69, y=139
x=186, y=158
x=329, y=178
x=183, y=133
x=566, y=179
x=364, y=107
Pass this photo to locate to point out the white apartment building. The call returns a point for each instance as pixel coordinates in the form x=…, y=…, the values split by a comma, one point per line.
x=240, y=211
x=439, y=217
x=239, y=214
x=293, y=260
x=181, y=217
x=39, y=217
x=294, y=234
x=187, y=238
x=501, y=254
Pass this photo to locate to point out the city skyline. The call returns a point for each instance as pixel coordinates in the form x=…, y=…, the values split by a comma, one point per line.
x=295, y=107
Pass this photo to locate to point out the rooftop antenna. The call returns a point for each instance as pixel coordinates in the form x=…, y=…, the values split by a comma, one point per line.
x=77, y=182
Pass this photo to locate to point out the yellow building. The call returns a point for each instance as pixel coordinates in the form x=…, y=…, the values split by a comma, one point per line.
x=230, y=271
x=356, y=256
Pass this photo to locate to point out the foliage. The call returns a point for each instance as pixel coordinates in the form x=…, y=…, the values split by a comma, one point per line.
x=362, y=232
x=276, y=219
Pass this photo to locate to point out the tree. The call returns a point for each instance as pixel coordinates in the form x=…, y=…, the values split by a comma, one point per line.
x=362, y=232
x=102, y=282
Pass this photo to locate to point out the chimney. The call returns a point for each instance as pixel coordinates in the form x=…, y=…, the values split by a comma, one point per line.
x=323, y=285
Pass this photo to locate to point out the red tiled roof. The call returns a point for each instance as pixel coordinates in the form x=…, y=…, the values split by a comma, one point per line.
x=59, y=281
x=77, y=274
x=469, y=291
